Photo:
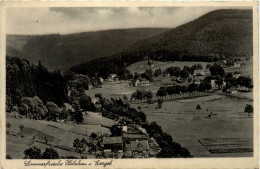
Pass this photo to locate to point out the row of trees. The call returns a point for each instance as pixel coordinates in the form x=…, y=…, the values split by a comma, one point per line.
x=35, y=153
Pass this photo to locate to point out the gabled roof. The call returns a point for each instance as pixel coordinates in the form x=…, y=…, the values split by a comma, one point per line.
x=112, y=140
x=135, y=145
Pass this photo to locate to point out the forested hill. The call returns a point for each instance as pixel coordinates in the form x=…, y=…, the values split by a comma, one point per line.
x=24, y=79
x=63, y=51
x=221, y=34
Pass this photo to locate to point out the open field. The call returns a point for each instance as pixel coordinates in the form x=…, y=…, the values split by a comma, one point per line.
x=187, y=126
x=113, y=89
x=141, y=66
x=58, y=134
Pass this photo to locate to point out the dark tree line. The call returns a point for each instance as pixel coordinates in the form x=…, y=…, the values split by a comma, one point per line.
x=27, y=80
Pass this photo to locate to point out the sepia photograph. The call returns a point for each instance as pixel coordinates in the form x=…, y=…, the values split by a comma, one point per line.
x=129, y=82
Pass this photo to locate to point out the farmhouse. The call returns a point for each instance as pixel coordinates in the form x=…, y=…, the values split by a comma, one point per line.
x=111, y=144
x=200, y=72
x=242, y=88
x=139, y=149
x=236, y=64
x=213, y=84
x=232, y=90
x=145, y=82
x=135, y=82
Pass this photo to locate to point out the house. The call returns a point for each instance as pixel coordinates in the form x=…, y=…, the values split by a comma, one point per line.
x=197, y=80
x=90, y=86
x=101, y=79
x=95, y=100
x=150, y=63
x=232, y=90
x=236, y=64
x=200, y=72
x=213, y=84
x=135, y=82
x=237, y=75
x=144, y=82
x=139, y=149
x=112, y=144
x=243, y=88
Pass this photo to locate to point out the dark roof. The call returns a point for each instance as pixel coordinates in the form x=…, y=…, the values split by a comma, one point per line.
x=136, y=144
x=112, y=140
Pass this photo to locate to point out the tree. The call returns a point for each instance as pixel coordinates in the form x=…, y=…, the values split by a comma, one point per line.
x=8, y=125
x=208, y=66
x=249, y=109
x=184, y=74
x=50, y=153
x=32, y=153
x=21, y=127
x=125, y=98
x=157, y=72
x=79, y=145
x=192, y=87
x=216, y=69
x=204, y=85
x=149, y=96
x=198, y=108
x=245, y=81
x=85, y=103
x=115, y=131
x=161, y=91
x=53, y=111
x=160, y=102
x=93, y=136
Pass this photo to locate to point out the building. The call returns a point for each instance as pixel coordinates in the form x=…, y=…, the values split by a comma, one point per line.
x=237, y=75
x=90, y=86
x=135, y=82
x=145, y=82
x=198, y=79
x=112, y=144
x=139, y=149
x=236, y=64
x=213, y=84
x=243, y=88
x=233, y=90
x=200, y=72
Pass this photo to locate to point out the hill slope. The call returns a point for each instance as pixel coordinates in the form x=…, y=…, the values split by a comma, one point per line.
x=220, y=34
x=63, y=51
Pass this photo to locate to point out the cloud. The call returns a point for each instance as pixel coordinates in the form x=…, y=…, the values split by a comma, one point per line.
x=66, y=20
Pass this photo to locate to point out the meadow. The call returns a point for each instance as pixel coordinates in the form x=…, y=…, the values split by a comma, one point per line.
x=191, y=127
x=60, y=135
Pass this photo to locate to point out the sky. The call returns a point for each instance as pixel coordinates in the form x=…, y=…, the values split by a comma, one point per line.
x=66, y=20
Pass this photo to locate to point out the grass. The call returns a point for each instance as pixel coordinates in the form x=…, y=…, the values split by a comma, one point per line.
x=57, y=134
x=183, y=122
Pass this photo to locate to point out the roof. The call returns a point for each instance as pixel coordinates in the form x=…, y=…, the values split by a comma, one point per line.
x=135, y=145
x=112, y=140
x=134, y=136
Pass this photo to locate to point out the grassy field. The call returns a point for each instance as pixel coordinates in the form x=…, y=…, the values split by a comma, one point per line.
x=187, y=126
x=57, y=134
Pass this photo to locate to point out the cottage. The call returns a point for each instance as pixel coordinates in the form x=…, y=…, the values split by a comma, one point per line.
x=145, y=82
x=139, y=149
x=213, y=84
x=200, y=72
x=135, y=82
x=236, y=64
x=197, y=80
x=90, y=86
x=243, y=88
x=232, y=90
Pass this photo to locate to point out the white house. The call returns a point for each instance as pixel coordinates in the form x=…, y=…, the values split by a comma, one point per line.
x=199, y=72
x=236, y=64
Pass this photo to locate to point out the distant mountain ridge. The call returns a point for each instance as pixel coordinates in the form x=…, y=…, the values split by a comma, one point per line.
x=221, y=34
x=63, y=51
